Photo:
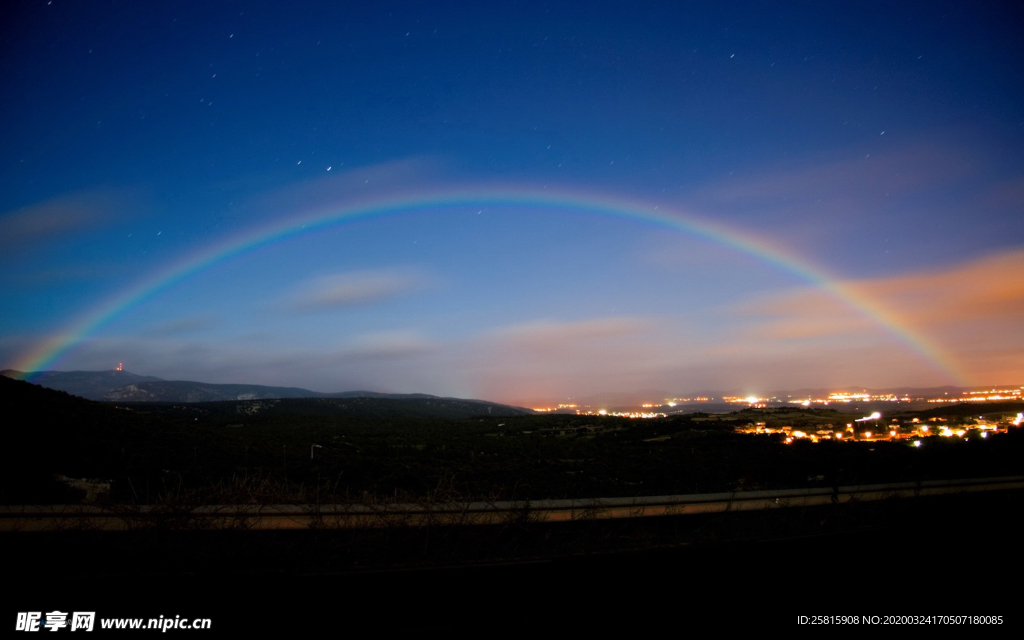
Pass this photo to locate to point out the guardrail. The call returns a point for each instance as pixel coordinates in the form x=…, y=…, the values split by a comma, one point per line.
x=310, y=516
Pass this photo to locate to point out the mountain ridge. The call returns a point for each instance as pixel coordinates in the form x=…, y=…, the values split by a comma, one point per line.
x=123, y=386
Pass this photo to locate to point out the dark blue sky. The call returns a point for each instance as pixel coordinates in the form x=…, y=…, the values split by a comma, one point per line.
x=878, y=143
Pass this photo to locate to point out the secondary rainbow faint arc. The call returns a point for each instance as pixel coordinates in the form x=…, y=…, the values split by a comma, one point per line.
x=48, y=352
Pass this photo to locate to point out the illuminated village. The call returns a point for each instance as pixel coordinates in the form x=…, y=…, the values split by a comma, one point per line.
x=875, y=428
x=871, y=428
x=994, y=394
x=845, y=397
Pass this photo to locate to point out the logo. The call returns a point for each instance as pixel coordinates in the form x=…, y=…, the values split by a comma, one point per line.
x=54, y=620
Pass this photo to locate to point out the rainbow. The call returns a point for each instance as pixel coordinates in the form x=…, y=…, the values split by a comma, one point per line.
x=49, y=352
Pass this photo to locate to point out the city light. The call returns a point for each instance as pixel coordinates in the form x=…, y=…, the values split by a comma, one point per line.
x=907, y=430
x=873, y=416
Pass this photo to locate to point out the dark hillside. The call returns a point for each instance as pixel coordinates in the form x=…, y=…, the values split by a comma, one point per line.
x=431, y=407
x=93, y=385
x=379, y=449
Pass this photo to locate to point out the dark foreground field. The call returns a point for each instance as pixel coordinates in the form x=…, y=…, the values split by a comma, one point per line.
x=337, y=451
x=950, y=555
x=955, y=555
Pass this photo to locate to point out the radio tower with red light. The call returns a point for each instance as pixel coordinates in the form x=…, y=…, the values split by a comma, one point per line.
x=120, y=366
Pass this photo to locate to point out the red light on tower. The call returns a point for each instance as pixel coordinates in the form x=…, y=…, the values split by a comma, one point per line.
x=120, y=366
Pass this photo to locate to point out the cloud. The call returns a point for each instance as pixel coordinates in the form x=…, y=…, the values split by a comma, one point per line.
x=58, y=217
x=180, y=326
x=972, y=310
x=859, y=178
x=986, y=290
x=800, y=314
x=44, y=277
x=543, y=357
x=355, y=288
x=388, y=344
x=546, y=335
x=1007, y=194
x=342, y=184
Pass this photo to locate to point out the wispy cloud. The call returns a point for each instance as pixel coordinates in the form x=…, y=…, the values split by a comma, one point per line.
x=973, y=310
x=21, y=228
x=181, y=326
x=339, y=184
x=800, y=314
x=355, y=288
x=78, y=273
x=859, y=178
x=1006, y=193
x=546, y=335
x=988, y=290
x=388, y=345
x=531, y=359
x=863, y=200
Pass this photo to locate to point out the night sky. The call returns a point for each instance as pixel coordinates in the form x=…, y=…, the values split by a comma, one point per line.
x=860, y=167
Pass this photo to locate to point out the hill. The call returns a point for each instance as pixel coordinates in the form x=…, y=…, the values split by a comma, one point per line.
x=188, y=391
x=93, y=385
x=428, y=407
x=126, y=387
